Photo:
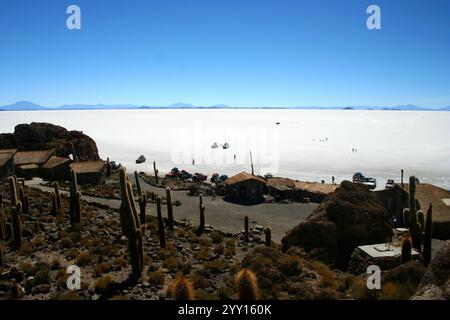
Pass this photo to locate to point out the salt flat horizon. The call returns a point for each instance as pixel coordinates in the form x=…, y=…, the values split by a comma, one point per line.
x=308, y=145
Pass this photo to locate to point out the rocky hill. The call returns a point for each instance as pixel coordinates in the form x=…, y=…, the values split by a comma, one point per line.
x=43, y=136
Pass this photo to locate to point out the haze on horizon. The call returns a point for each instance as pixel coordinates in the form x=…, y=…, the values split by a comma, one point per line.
x=238, y=53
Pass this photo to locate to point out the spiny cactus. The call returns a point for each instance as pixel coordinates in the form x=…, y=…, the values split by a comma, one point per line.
x=246, y=232
x=428, y=236
x=24, y=200
x=200, y=201
x=142, y=207
x=247, y=284
x=75, y=199
x=13, y=190
x=414, y=227
x=58, y=196
x=268, y=232
x=169, y=209
x=17, y=225
x=201, y=227
x=156, y=172
x=54, y=211
x=138, y=183
x=2, y=219
x=181, y=289
x=161, y=230
x=131, y=226
x=406, y=249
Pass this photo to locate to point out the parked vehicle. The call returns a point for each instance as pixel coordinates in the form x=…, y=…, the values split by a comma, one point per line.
x=199, y=177
x=174, y=173
x=214, y=145
x=358, y=177
x=268, y=175
x=141, y=159
x=390, y=184
x=214, y=177
x=223, y=177
x=184, y=175
x=226, y=145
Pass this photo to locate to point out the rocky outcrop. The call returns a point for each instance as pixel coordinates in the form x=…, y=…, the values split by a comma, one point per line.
x=435, y=284
x=43, y=136
x=349, y=217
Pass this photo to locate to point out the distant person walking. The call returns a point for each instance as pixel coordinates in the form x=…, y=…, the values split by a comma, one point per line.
x=332, y=179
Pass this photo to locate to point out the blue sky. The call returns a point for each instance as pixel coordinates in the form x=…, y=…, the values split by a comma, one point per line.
x=238, y=52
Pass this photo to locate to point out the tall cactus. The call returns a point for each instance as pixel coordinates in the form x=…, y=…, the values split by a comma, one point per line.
x=156, y=172
x=161, y=230
x=200, y=201
x=246, y=231
x=247, y=284
x=138, y=183
x=414, y=227
x=24, y=200
x=2, y=219
x=169, y=210
x=268, y=232
x=13, y=190
x=58, y=196
x=131, y=226
x=54, y=211
x=142, y=207
x=406, y=250
x=17, y=225
x=428, y=236
x=75, y=199
x=201, y=227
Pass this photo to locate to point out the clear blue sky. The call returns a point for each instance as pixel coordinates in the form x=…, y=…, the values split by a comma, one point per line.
x=237, y=52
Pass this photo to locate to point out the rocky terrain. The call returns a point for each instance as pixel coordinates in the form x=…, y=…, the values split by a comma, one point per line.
x=44, y=136
x=210, y=261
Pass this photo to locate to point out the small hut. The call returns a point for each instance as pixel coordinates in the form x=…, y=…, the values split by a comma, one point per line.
x=56, y=169
x=6, y=163
x=90, y=172
x=245, y=188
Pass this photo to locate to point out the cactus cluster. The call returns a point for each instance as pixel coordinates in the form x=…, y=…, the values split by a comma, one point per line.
x=161, y=230
x=131, y=225
x=247, y=285
x=75, y=200
x=169, y=209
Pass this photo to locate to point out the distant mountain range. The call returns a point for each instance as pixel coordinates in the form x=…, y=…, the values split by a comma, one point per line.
x=30, y=106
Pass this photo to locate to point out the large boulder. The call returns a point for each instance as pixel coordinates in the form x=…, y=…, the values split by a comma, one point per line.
x=435, y=284
x=43, y=136
x=349, y=217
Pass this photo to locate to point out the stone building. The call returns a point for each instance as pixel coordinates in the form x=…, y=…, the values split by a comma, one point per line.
x=245, y=188
x=90, y=172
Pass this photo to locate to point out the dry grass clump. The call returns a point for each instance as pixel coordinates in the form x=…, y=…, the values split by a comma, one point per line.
x=327, y=276
x=84, y=258
x=102, y=268
x=201, y=255
x=156, y=278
